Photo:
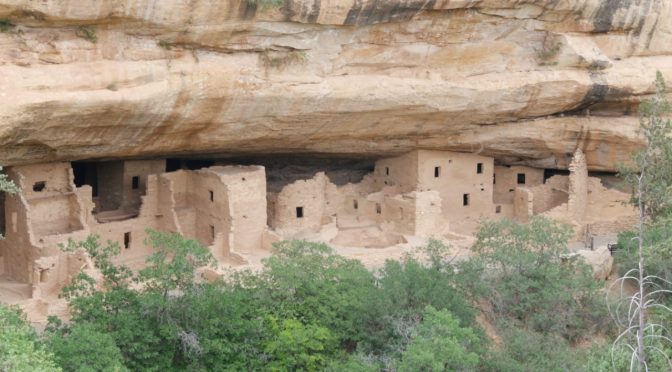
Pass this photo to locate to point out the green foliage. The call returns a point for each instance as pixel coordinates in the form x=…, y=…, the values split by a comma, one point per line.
x=88, y=33
x=440, y=344
x=657, y=249
x=281, y=59
x=267, y=3
x=5, y=26
x=20, y=349
x=298, y=347
x=308, y=308
x=173, y=264
x=164, y=44
x=654, y=163
x=7, y=185
x=524, y=272
x=619, y=359
x=82, y=347
x=528, y=351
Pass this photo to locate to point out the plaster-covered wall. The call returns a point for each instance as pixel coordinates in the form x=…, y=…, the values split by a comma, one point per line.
x=506, y=180
x=458, y=175
x=310, y=197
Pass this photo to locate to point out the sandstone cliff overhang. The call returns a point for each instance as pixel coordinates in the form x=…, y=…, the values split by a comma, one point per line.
x=527, y=82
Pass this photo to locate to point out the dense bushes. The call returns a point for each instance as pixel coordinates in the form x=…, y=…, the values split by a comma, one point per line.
x=308, y=308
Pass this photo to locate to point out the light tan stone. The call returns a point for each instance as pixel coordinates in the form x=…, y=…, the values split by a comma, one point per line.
x=521, y=81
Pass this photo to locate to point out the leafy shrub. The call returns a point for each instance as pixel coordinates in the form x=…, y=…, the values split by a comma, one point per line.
x=88, y=33
x=20, y=350
x=523, y=273
x=440, y=344
x=82, y=347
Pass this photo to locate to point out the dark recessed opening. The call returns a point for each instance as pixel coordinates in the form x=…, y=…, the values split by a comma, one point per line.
x=135, y=182
x=494, y=179
x=127, y=240
x=437, y=172
x=498, y=209
x=212, y=195
x=86, y=173
x=521, y=178
x=379, y=209
x=387, y=171
x=355, y=205
x=465, y=199
x=479, y=168
x=39, y=186
x=212, y=232
x=299, y=212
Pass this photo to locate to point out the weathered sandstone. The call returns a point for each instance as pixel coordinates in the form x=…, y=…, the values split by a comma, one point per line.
x=527, y=82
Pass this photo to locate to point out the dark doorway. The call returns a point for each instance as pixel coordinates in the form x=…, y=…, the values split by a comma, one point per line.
x=299, y=212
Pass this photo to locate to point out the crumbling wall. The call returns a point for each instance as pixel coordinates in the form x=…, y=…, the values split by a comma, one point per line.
x=578, y=187
x=301, y=205
x=133, y=190
x=401, y=171
x=551, y=194
x=506, y=180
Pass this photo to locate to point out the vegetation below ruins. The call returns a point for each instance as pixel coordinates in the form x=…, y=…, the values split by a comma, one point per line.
x=311, y=309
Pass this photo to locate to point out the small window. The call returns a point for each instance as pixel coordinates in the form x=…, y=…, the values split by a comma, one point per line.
x=465, y=199
x=299, y=212
x=494, y=179
x=44, y=275
x=135, y=182
x=212, y=195
x=511, y=190
x=498, y=209
x=212, y=232
x=387, y=171
x=437, y=172
x=127, y=240
x=521, y=178
x=39, y=186
x=479, y=168
x=355, y=205
x=379, y=209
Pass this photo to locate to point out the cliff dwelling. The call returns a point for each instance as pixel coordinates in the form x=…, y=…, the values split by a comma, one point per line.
x=239, y=211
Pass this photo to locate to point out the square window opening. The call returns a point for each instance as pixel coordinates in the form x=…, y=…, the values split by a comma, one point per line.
x=299, y=212
x=135, y=182
x=127, y=240
x=498, y=209
x=437, y=172
x=465, y=199
x=479, y=168
x=521, y=178
x=39, y=186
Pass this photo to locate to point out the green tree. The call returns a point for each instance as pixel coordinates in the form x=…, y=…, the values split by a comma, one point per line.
x=20, y=349
x=82, y=347
x=524, y=272
x=298, y=347
x=439, y=343
x=650, y=177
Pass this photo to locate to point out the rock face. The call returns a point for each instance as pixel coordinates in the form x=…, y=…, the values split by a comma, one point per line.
x=525, y=81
